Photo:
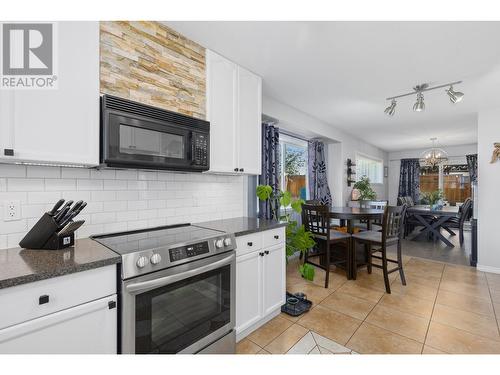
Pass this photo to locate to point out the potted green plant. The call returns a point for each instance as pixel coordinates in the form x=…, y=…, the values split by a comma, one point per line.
x=297, y=238
x=364, y=187
x=433, y=198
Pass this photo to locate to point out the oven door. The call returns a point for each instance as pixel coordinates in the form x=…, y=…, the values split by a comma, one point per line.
x=179, y=310
x=135, y=142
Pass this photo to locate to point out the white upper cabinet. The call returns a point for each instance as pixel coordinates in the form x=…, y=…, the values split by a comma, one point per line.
x=234, y=109
x=61, y=125
x=221, y=112
x=249, y=122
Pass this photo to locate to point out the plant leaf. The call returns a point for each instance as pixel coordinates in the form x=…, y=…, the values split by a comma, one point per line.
x=297, y=205
x=285, y=199
x=264, y=192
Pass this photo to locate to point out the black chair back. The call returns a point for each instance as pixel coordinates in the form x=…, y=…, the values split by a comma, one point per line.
x=393, y=222
x=401, y=201
x=316, y=219
x=465, y=211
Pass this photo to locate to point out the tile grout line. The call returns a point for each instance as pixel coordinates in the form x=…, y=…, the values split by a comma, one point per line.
x=492, y=304
x=432, y=312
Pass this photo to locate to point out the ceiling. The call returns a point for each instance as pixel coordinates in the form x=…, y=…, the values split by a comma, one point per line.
x=341, y=72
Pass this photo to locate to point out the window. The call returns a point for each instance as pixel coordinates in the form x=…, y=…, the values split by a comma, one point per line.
x=293, y=176
x=453, y=180
x=370, y=167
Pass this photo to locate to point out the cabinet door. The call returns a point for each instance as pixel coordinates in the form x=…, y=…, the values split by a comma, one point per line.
x=274, y=281
x=6, y=122
x=221, y=112
x=90, y=328
x=248, y=290
x=249, y=123
x=61, y=125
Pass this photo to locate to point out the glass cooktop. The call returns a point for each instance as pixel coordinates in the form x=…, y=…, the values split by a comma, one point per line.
x=135, y=241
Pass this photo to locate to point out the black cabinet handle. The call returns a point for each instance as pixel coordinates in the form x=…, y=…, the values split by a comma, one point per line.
x=236, y=169
x=261, y=254
x=43, y=299
x=111, y=304
x=8, y=152
x=250, y=243
x=266, y=252
x=276, y=237
x=242, y=170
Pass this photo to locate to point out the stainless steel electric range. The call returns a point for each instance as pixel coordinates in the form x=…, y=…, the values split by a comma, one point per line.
x=177, y=289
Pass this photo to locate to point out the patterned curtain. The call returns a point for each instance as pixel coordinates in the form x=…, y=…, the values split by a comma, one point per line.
x=270, y=164
x=409, y=179
x=318, y=184
x=472, y=165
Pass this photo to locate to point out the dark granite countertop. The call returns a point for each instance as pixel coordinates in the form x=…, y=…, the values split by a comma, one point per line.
x=20, y=266
x=241, y=226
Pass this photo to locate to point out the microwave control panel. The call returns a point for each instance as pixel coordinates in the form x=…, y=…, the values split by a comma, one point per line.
x=200, y=149
x=189, y=251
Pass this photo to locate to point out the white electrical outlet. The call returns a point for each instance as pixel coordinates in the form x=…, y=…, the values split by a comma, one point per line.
x=12, y=210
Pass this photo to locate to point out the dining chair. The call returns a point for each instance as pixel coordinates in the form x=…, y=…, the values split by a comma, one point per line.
x=378, y=242
x=316, y=219
x=377, y=205
x=465, y=213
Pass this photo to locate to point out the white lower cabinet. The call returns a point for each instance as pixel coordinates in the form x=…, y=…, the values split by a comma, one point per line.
x=75, y=313
x=260, y=282
x=85, y=329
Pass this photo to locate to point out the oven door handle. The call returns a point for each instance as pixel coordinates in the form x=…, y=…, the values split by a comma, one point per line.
x=144, y=286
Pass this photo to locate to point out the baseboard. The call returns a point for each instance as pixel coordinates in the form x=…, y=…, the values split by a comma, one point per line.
x=488, y=269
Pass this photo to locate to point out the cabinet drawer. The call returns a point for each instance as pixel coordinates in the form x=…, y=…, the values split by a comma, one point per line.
x=273, y=237
x=29, y=301
x=247, y=244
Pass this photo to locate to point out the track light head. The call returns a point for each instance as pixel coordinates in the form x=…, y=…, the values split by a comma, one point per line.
x=391, y=109
x=419, y=105
x=455, y=96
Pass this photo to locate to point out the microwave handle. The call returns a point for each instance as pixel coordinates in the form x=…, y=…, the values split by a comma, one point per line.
x=191, y=149
x=144, y=286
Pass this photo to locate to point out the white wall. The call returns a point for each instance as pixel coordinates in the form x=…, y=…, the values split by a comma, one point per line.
x=118, y=199
x=456, y=153
x=488, y=197
x=341, y=146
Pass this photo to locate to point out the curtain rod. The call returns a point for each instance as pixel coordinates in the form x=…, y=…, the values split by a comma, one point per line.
x=294, y=135
x=449, y=156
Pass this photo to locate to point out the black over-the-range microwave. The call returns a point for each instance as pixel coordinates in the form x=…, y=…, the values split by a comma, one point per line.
x=135, y=135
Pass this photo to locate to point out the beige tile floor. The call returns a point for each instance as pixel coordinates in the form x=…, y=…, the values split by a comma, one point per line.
x=444, y=308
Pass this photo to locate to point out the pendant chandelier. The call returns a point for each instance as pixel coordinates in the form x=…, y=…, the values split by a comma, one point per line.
x=419, y=106
x=433, y=156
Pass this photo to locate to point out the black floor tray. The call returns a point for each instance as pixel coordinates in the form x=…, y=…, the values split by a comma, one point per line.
x=295, y=310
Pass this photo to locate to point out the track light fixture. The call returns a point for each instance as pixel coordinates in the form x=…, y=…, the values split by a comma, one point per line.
x=391, y=109
x=419, y=106
x=455, y=96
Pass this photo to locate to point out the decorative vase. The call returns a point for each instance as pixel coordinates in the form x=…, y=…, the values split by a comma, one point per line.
x=355, y=194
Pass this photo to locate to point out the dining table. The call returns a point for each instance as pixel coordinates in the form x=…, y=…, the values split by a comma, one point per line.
x=433, y=227
x=350, y=215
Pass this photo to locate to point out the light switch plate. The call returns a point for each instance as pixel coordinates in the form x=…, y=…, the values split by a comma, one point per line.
x=12, y=210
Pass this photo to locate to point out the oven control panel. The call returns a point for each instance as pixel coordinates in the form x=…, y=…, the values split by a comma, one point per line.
x=189, y=251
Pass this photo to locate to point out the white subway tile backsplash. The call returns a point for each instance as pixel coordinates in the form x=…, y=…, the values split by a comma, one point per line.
x=60, y=184
x=12, y=170
x=103, y=217
x=127, y=195
x=115, y=185
x=44, y=197
x=25, y=184
x=75, y=173
x=137, y=205
x=147, y=175
x=118, y=199
x=103, y=195
x=102, y=174
x=89, y=184
x=126, y=175
x=43, y=172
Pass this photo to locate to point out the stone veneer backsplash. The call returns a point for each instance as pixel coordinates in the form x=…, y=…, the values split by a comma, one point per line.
x=117, y=199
